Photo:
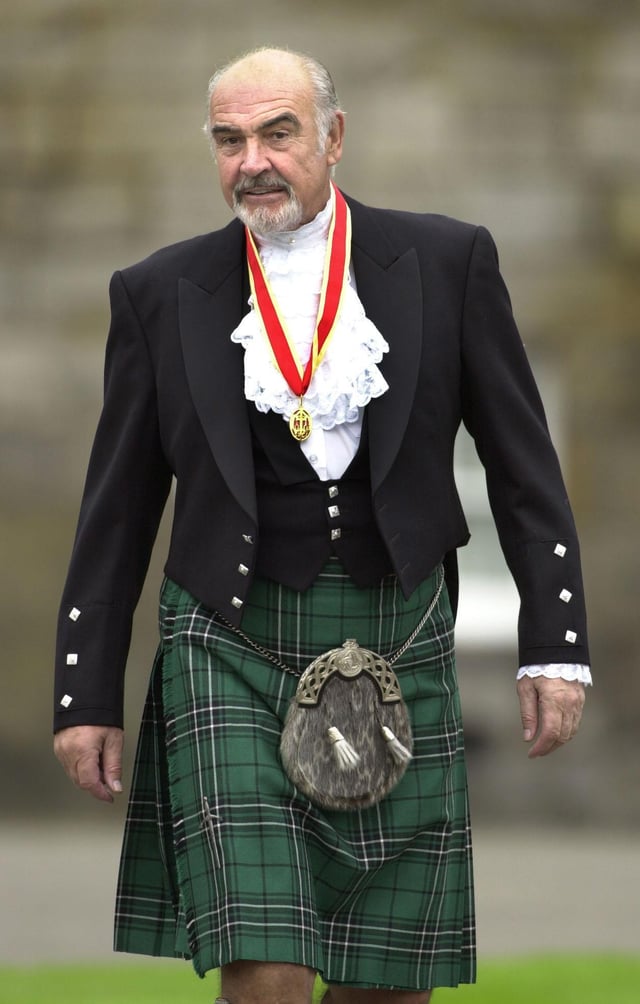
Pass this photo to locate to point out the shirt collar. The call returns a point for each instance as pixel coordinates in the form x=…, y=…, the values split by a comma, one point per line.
x=308, y=235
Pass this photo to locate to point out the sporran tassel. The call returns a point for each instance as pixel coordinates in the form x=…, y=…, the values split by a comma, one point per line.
x=399, y=752
x=345, y=755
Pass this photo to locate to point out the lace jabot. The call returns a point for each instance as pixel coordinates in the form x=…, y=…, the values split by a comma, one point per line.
x=348, y=377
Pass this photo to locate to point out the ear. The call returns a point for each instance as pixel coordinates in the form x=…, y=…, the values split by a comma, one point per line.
x=334, y=139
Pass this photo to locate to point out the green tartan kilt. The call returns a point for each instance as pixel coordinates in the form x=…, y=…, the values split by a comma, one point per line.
x=223, y=859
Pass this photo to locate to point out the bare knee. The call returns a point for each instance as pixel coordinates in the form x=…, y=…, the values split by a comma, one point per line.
x=245, y=982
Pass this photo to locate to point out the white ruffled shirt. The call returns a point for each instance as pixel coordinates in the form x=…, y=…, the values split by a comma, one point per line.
x=346, y=379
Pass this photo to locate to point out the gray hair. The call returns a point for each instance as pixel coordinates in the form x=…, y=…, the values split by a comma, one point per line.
x=326, y=102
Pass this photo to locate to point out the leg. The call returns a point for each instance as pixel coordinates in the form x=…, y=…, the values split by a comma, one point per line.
x=354, y=995
x=246, y=982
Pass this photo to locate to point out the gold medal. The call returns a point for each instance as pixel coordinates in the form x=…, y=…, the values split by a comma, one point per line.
x=300, y=423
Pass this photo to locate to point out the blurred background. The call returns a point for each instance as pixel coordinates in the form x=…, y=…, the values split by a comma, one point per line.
x=522, y=115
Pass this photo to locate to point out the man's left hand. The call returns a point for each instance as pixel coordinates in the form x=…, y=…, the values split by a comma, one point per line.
x=550, y=711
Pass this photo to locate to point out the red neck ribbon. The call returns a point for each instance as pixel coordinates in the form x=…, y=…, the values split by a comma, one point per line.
x=335, y=272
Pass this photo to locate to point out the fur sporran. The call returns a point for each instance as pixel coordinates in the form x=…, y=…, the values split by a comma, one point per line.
x=347, y=737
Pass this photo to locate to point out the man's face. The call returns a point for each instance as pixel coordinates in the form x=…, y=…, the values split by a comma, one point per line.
x=272, y=171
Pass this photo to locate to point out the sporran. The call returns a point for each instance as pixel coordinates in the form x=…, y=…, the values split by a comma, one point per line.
x=347, y=739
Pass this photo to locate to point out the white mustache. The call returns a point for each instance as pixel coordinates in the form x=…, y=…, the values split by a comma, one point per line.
x=265, y=184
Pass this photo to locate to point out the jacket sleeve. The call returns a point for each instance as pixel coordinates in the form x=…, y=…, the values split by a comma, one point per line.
x=126, y=488
x=503, y=412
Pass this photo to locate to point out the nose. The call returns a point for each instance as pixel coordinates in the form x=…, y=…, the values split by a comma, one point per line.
x=255, y=159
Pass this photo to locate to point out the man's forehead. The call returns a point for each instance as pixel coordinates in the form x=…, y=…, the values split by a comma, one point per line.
x=260, y=80
x=272, y=64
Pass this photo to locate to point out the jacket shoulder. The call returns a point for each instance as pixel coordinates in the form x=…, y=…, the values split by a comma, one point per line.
x=416, y=227
x=195, y=258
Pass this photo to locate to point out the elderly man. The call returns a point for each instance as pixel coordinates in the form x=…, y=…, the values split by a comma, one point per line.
x=301, y=375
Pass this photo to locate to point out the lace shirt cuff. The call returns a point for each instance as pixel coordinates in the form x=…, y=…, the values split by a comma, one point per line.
x=559, y=671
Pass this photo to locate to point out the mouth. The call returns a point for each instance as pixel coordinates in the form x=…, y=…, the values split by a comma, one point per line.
x=262, y=189
x=261, y=192
x=267, y=204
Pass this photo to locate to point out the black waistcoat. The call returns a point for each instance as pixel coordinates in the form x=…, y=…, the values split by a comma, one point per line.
x=303, y=520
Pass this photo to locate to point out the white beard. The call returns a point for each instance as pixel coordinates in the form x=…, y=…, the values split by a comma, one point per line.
x=262, y=220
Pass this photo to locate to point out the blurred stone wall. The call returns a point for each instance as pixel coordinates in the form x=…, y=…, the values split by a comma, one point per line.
x=522, y=115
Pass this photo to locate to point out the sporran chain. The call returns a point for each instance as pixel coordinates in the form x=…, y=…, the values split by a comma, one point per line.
x=390, y=660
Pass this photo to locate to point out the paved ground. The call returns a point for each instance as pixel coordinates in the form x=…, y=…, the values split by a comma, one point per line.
x=548, y=891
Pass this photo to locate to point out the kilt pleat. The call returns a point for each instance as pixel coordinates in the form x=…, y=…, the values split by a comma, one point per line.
x=224, y=859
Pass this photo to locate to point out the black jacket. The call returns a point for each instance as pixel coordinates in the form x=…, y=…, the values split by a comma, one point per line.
x=174, y=407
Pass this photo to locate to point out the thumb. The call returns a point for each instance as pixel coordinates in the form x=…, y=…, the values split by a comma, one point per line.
x=528, y=707
x=112, y=759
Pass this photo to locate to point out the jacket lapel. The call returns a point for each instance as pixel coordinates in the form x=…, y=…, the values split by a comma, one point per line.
x=390, y=288
x=215, y=371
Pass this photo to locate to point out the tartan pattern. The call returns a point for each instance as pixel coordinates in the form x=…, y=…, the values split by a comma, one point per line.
x=239, y=864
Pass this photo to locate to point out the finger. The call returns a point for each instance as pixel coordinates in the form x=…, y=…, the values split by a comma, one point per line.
x=570, y=704
x=577, y=714
x=550, y=721
x=528, y=697
x=537, y=751
x=89, y=776
x=549, y=736
x=558, y=725
x=574, y=724
x=112, y=761
x=568, y=729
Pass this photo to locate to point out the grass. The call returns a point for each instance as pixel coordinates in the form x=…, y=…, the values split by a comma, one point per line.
x=548, y=979
x=576, y=979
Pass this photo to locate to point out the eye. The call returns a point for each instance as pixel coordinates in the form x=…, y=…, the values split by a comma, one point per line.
x=227, y=142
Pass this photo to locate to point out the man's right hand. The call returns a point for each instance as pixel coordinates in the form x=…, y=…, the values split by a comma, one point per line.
x=92, y=757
